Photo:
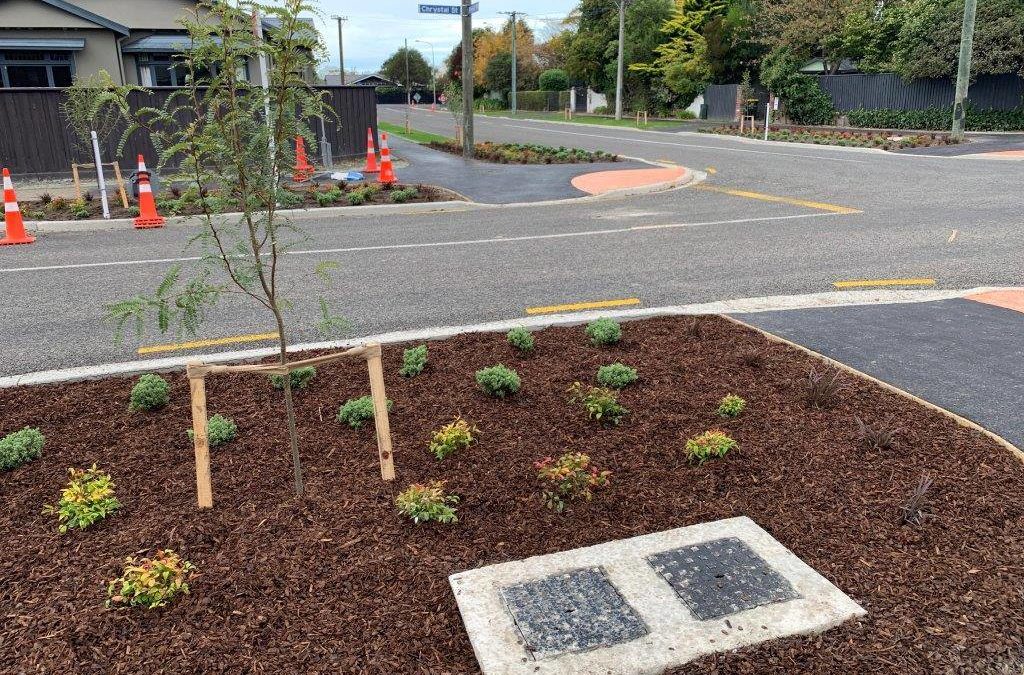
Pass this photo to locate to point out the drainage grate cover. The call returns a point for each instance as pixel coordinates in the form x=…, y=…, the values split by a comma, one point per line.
x=721, y=577
x=571, y=612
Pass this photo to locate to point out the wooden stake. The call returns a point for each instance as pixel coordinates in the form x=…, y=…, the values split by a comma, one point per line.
x=204, y=489
x=78, y=183
x=120, y=184
x=380, y=412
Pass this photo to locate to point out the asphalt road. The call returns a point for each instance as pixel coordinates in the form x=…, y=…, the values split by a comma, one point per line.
x=956, y=220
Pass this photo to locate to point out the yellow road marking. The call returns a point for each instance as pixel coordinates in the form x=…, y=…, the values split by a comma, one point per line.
x=861, y=283
x=833, y=208
x=667, y=161
x=578, y=306
x=712, y=170
x=256, y=337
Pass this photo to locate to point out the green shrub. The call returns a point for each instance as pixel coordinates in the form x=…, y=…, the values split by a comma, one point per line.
x=403, y=195
x=806, y=102
x=938, y=119
x=328, y=197
x=521, y=339
x=616, y=375
x=413, y=361
x=568, y=478
x=19, y=447
x=426, y=503
x=499, y=381
x=709, y=445
x=288, y=198
x=299, y=378
x=219, y=430
x=149, y=393
x=88, y=498
x=457, y=435
x=357, y=197
x=150, y=583
x=731, y=406
x=489, y=104
x=554, y=79
x=357, y=411
x=604, y=332
x=80, y=210
x=601, y=404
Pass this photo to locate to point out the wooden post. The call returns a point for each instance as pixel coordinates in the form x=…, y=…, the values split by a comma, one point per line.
x=380, y=411
x=120, y=184
x=197, y=385
x=78, y=183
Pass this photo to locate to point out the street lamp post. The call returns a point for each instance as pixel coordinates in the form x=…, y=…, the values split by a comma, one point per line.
x=341, y=49
x=619, y=66
x=513, y=16
x=963, y=73
x=433, y=75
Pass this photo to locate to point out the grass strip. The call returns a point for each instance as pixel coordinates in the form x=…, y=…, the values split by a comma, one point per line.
x=415, y=136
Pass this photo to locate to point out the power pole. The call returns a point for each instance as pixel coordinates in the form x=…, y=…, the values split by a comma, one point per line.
x=619, y=68
x=341, y=48
x=963, y=72
x=467, y=81
x=408, y=87
x=513, y=17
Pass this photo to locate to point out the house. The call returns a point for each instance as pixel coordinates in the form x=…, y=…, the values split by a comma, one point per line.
x=372, y=80
x=46, y=43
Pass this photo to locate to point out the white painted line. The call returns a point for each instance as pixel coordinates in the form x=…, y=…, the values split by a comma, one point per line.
x=738, y=306
x=432, y=244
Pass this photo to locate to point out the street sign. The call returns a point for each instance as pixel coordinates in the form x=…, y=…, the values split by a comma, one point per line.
x=416, y=97
x=440, y=9
x=475, y=6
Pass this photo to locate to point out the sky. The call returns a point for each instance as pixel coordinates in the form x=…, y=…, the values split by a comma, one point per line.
x=374, y=30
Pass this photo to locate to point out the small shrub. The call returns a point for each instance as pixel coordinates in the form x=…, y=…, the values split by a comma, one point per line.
x=357, y=197
x=79, y=210
x=874, y=437
x=88, y=498
x=752, y=358
x=45, y=198
x=328, y=197
x=19, y=447
x=299, y=378
x=604, y=332
x=601, y=404
x=822, y=388
x=149, y=393
x=58, y=204
x=150, y=582
x=616, y=376
x=695, y=327
x=357, y=411
x=88, y=196
x=521, y=339
x=568, y=478
x=712, y=444
x=219, y=430
x=914, y=510
x=403, y=195
x=451, y=437
x=499, y=381
x=731, y=406
x=426, y=503
x=413, y=361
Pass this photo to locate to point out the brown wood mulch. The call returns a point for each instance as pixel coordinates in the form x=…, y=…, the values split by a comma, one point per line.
x=338, y=582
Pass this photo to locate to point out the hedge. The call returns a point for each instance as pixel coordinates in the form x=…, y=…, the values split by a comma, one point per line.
x=938, y=119
x=544, y=101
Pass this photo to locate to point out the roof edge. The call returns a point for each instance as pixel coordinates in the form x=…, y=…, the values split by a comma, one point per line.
x=88, y=16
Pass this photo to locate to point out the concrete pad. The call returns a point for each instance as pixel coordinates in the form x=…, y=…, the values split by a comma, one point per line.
x=633, y=605
x=601, y=182
x=1007, y=299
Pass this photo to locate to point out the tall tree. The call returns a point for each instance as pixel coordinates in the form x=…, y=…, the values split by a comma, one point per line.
x=419, y=70
x=807, y=28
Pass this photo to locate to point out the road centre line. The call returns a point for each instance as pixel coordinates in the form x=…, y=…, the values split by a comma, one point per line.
x=821, y=206
x=580, y=306
x=435, y=244
x=215, y=342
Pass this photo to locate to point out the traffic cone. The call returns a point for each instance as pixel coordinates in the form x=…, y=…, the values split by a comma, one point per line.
x=16, y=233
x=148, y=217
x=387, y=172
x=303, y=169
x=371, y=153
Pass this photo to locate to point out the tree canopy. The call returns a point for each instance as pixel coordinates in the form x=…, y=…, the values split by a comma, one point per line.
x=419, y=69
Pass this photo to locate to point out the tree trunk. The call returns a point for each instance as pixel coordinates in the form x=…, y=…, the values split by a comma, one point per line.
x=289, y=406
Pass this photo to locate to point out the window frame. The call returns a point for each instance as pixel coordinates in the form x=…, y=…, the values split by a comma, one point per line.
x=47, y=62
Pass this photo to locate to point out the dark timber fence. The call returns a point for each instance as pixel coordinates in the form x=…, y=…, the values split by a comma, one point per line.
x=35, y=138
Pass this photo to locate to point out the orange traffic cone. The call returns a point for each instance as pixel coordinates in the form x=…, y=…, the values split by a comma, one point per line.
x=148, y=217
x=16, y=233
x=371, y=153
x=303, y=169
x=387, y=172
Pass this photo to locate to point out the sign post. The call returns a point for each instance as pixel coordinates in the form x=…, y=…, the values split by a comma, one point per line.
x=466, y=11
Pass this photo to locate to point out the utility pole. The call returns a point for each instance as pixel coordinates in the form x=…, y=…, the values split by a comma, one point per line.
x=619, y=68
x=963, y=72
x=433, y=75
x=341, y=48
x=513, y=17
x=467, y=81
x=408, y=87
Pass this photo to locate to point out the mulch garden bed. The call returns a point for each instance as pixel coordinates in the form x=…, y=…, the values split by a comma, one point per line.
x=885, y=140
x=526, y=153
x=178, y=202
x=337, y=581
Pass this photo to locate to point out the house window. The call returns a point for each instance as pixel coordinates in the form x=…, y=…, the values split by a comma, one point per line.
x=20, y=68
x=167, y=70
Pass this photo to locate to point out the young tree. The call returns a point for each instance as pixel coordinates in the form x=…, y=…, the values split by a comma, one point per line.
x=498, y=73
x=226, y=134
x=419, y=69
x=95, y=103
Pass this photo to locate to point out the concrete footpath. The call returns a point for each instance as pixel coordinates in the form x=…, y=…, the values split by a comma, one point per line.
x=963, y=354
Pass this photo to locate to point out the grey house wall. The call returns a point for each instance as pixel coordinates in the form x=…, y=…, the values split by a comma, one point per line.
x=885, y=90
x=35, y=139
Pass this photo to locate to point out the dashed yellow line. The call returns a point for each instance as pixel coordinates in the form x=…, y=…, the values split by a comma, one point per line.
x=821, y=206
x=180, y=346
x=579, y=306
x=864, y=283
x=712, y=170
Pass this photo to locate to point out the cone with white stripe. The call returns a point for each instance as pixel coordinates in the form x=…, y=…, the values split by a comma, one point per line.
x=387, y=171
x=15, y=226
x=371, y=153
x=148, y=217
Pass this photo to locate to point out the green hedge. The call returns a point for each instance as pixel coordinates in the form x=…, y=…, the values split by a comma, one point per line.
x=938, y=119
x=545, y=101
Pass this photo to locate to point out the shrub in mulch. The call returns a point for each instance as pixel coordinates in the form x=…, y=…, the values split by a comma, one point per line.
x=527, y=153
x=854, y=139
x=340, y=581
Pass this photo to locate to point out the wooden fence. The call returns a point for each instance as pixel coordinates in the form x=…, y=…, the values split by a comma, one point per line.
x=35, y=138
